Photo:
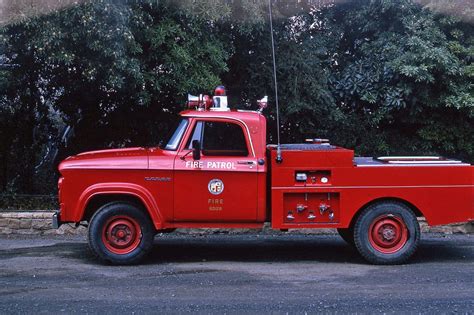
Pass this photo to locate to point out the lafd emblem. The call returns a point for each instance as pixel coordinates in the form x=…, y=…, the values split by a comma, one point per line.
x=215, y=186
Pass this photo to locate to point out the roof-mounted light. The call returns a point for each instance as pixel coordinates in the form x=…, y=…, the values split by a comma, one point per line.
x=220, y=99
x=262, y=103
x=205, y=102
x=219, y=91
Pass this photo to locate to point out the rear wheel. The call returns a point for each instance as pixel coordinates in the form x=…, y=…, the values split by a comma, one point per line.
x=120, y=233
x=387, y=233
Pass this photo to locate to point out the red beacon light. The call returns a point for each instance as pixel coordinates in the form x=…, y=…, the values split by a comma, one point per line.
x=220, y=91
x=220, y=99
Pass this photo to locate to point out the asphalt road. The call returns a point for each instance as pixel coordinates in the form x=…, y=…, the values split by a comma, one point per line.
x=236, y=274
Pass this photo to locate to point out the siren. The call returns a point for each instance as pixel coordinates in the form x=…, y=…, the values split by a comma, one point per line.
x=201, y=102
x=193, y=101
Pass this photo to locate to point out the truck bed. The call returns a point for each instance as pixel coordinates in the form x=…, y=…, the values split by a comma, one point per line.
x=314, y=177
x=407, y=161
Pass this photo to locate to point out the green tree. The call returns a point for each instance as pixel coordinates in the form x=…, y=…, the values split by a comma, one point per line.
x=405, y=79
x=381, y=76
x=25, y=119
x=113, y=72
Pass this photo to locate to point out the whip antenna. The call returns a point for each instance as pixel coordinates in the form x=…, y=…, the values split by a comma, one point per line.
x=278, y=158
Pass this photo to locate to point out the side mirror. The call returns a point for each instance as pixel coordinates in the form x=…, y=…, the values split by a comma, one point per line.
x=196, y=150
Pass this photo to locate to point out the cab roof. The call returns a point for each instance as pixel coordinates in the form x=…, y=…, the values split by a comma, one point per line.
x=250, y=117
x=253, y=121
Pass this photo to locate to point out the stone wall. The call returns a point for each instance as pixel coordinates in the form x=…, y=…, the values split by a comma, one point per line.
x=33, y=223
x=39, y=223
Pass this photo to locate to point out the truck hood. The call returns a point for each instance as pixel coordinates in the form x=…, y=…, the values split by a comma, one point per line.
x=129, y=158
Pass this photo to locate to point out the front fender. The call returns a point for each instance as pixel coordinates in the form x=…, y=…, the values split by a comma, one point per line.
x=121, y=189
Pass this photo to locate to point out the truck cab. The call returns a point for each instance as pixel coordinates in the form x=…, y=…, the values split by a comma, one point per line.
x=216, y=170
x=220, y=166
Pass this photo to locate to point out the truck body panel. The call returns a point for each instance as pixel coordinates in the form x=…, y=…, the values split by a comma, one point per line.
x=443, y=193
x=216, y=171
x=176, y=190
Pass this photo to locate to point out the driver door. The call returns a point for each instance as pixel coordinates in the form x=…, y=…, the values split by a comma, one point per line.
x=222, y=185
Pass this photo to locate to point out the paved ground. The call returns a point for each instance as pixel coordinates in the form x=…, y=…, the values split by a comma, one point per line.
x=236, y=274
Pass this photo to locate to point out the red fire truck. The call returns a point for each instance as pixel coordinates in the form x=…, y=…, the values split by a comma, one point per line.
x=217, y=171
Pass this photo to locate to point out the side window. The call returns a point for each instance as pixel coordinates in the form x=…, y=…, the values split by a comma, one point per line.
x=219, y=139
x=197, y=135
x=175, y=138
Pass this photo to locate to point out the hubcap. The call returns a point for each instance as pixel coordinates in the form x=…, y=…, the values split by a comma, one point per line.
x=388, y=234
x=121, y=234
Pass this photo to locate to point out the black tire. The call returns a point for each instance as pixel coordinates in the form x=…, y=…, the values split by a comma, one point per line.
x=387, y=233
x=347, y=235
x=120, y=233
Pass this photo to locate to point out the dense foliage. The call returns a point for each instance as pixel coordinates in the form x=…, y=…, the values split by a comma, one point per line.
x=383, y=77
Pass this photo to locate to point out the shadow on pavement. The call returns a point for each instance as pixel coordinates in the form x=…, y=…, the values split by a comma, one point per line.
x=75, y=250
x=317, y=249
x=252, y=249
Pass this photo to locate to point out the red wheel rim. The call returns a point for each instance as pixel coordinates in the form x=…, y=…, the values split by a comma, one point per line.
x=388, y=234
x=121, y=234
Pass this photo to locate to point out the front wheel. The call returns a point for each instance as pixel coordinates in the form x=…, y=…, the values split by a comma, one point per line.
x=120, y=233
x=387, y=233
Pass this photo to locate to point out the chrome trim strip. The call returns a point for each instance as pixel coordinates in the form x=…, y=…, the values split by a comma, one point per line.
x=425, y=162
x=407, y=164
x=365, y=187
x=388, y=158
x=417, y=160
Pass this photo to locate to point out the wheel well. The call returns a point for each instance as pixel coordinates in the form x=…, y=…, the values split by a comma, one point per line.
x=100, y=200
x=415, y=210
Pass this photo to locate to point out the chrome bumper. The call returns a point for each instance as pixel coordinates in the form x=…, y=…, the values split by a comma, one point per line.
x=56, y=220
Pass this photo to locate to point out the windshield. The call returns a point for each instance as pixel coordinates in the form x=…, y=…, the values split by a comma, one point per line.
x=175, y=138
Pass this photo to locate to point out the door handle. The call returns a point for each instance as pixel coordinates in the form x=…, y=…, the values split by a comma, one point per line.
x=247, y=162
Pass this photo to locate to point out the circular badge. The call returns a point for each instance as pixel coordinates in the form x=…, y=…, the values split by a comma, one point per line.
x=215, y=186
